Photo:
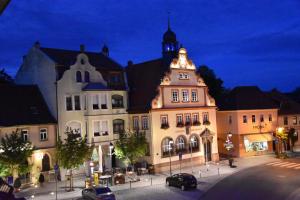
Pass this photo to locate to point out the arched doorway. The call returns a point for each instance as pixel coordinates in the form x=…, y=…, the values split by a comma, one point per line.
x=45, y=163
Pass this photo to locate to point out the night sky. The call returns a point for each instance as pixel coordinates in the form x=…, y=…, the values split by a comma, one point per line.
x=253, y=42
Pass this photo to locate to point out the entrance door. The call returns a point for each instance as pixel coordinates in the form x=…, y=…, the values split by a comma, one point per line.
x=45, y=163
x=207, y=151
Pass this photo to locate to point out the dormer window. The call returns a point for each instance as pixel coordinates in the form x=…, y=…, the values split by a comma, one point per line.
x=78, y=77
x=87, y=76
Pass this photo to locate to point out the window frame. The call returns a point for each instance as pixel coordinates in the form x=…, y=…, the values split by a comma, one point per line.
x=195, y=91
x=79, y=100
x=135, y=123
x=23, y=134
x=143, y=120
x=43, y=134
x=253, y=119
x=164, y=117
x=244, y=119
x=183, y=96
x=177, y=92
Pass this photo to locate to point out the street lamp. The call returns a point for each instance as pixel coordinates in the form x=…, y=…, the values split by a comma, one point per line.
x=170, y=148
x=192, y=142
x=111, y=146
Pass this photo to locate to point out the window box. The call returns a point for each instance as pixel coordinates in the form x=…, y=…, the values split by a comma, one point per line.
x=196, y=123
x=164, y=126
x=180, y=124
x=206, y=122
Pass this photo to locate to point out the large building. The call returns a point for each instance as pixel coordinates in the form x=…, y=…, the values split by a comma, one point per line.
x=171, y=104
x=85, y=91
x=250, y=117
x=22, y=109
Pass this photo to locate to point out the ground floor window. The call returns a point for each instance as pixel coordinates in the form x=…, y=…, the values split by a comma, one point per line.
x=255, y=146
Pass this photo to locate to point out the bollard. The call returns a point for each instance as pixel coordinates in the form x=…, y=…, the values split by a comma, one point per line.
x=151, y=180
x=130, y=184
x=218, y=171
x=199, y=174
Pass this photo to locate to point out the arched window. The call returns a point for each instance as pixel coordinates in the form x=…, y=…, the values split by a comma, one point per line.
x=194, y=143
x=180, y=144
x=74, y=127
x=87, y=76
x=117, y=101
x=45, y=163
x=118, y=126
x=78, y=77
x=167, y=146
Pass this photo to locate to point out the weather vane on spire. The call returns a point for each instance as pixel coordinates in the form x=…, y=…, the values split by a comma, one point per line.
x=168, y=20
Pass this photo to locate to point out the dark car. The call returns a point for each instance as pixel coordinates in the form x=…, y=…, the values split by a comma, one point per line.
x=98, y=193
x=182, y=180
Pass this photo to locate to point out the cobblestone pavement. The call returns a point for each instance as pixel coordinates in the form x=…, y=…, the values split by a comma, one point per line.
x=153, y=185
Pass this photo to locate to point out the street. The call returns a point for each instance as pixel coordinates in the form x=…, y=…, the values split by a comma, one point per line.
x=277, y=181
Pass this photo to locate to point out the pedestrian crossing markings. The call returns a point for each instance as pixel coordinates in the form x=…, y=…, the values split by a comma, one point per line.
x=290, y=165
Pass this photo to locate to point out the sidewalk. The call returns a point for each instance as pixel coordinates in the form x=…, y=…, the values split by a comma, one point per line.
x=207, y=177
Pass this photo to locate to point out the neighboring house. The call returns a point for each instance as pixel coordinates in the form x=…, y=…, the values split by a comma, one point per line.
x=86, y=91
x=170, y=102
x=288, y=116
x=22, y=109
x=251, y=117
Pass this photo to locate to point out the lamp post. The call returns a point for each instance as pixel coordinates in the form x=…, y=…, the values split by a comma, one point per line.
x=170, y=148
x=192, y=142
x=229, y=146
x=280, y=135
x=111, y=146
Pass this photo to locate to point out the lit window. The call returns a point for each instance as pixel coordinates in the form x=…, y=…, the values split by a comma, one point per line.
x=194, y=95
x=294, y=120
x=244, y=119
x=24, y=134
x=183, y=76
x=69, y=103
x=253, y=118
x=117, y=101
x=180, y=143
x=135, y=123
x=205, y=117
x=164, y=119
x=145, y=124
x=95, y=102
x=77, y=102
x=43, y=134
x=195, y=118
x=187, y=118
x=118, y=126
x=167, y=146
x=100, y=128
x=179, y=119
x=175, y=96
x=185, y=95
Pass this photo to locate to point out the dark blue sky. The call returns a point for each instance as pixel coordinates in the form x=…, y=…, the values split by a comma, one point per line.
x=253, y=42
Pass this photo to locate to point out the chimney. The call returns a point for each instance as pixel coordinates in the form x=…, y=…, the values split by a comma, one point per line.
x=37, y=44
x=82, y=48
x=105, y=50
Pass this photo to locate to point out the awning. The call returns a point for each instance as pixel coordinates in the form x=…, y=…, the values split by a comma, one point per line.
x=263, y=137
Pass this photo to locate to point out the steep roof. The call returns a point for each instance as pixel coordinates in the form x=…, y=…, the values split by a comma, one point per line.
x=104, y=64
x=247, y=98
x=143, y=80
x=23, y=105
x=286, y=105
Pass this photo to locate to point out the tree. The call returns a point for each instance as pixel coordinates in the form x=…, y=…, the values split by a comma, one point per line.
x=282, y=136
x=73, y=152
x=292, y=137
x=214, y=84
x=4, y=77
x=14, y=152
x=131, y=146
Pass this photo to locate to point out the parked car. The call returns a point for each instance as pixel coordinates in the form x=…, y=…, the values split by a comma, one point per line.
x=98, y=193
x=182, y=180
